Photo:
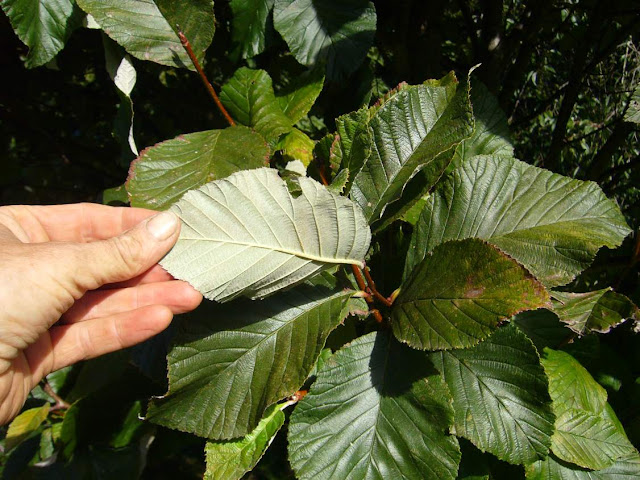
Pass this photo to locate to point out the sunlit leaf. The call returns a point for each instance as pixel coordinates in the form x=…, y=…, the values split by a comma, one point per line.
x=297, y=98
x=247, y=235
x=25, y=424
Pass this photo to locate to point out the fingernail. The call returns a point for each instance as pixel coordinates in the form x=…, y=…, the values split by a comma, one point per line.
x=163, y=225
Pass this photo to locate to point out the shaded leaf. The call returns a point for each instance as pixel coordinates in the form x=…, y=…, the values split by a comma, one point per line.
x=230, y=459
x=377, y=410
x=551, y=224
x=491, y=131
x=250, y=100
x=500, y=396
x=633, y=110
x=43, y=25
x=164, y=172
x=246, y=235
x=597, y=311
x=459, y=293
x=543, y=327
x=297, y=98
x=142, y=29
x=230, y=362
x=411, y=131
x=25, y=425
x=250, y=24
x=337, y=33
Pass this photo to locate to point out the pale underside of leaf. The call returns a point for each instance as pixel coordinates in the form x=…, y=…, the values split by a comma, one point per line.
x=551, y=224
x=246, y=235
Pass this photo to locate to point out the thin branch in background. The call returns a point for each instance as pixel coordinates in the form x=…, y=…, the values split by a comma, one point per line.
x=203, y=77
x=60, y=403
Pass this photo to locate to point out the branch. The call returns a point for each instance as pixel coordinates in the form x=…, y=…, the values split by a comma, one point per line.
x=203, y=77
x=60, y=403
x=381, y=298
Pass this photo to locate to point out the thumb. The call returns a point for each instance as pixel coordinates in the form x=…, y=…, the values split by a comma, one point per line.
x=129, y=254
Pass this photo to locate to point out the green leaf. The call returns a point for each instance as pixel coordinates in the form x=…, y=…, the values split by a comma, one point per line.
x=25, y=424
x=411, y=132
x=500, y=396
x=589, y=440
x=337, y=33
x=551, y=468
x=491, y=131
x=233, y=361
x=297, y=145
x=164, y=172
x=297, y=98
x=459, y=293
x=352, y=146
x=250, y=99
x=570, y=385
x=246, y=235
x=43, y=25
x=551, y=224
x=145, y=28
x=230, y=459
x=377, y=410
x=250, y=24
x=633, y=110
x=597, y=311
x=543, y=327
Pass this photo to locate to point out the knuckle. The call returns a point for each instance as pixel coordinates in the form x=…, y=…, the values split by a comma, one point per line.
x=130, y=252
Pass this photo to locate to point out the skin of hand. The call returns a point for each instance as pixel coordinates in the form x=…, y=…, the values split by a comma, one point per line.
x=79, y=281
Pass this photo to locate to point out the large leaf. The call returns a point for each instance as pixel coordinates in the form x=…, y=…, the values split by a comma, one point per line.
x=377, y=410
x=145, y=28
x=570, y=385
x=335, y=32
x=551, y=468
x=25, y=424
x=551, y=224
x=410, y=132
x=459, y=293
x=543, y=327
x=164, y=172
x=43, y=25
x=500, y=396
x=250, y=24
x=246, y=235
x=231, y=362
x=589, y=440
x=297, y=98
x=230, y=459
x=597, y=311
x=490, y=132
x=250, y=99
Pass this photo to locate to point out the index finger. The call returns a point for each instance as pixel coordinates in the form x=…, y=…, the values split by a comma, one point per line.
x=81, y=222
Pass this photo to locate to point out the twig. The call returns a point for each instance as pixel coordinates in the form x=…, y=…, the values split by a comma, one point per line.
x=360, y=281
x=377, y=315
x=60, y=403
x=203, y=77
x=372, y=285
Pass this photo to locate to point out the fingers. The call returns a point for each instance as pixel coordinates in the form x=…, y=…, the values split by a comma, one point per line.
x=83, y=222
x=120, y=258
x=81, y=341
x=178, y=296
x=154, y=275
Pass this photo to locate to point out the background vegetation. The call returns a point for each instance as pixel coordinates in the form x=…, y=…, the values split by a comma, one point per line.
x=563, y=72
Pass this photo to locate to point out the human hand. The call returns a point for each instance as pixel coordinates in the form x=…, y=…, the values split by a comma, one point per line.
x=76, y=282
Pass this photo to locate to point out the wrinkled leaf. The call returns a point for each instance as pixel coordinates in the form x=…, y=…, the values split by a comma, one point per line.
x=43, y=25
x=411, y=131
x=352, y=146
x=597, y=311
x=500, y=396
x=25, y=424
x=377, y=410
x=551, y=468
x=145, y=28
x=551, y=224
x=246, y=235
x=250, y=100
x=230, y=362
x=230, y=459
x=250, y=24
x=491, y=131
x=337, y=33
x=164, y=172
x=459, y=293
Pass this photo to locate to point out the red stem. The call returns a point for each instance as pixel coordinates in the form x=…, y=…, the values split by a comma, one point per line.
x=203, y=77
x=372, y=286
